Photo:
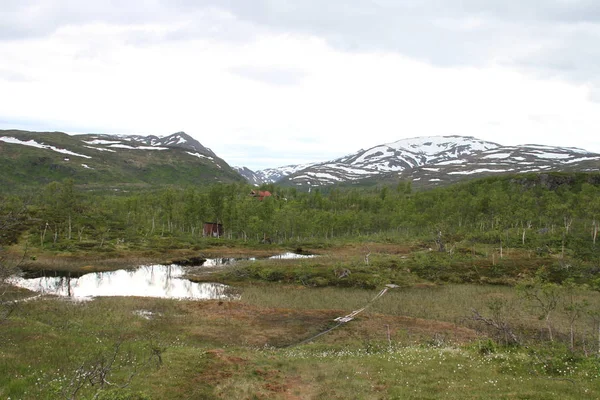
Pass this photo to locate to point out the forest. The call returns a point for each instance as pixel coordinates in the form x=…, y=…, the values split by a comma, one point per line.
x=532, y=211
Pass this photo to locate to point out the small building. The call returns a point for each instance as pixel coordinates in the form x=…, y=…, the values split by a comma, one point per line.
x=213, y=229
x=261, y=195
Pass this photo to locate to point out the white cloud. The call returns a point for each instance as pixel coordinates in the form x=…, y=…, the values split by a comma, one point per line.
x=264, y=91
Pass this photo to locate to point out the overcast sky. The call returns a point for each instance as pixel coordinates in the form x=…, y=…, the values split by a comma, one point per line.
x=266, y=83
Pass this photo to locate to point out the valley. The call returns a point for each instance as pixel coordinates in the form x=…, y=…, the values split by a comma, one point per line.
x=479, y=287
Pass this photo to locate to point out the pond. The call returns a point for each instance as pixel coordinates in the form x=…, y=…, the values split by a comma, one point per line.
x=224, y=262
x=163, y=281
x=291, y=256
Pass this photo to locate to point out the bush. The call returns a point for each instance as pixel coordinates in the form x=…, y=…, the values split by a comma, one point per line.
x=486, y=346
x=272, y=275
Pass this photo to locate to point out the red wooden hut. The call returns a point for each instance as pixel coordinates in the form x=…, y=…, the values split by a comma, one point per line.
x=213, y=229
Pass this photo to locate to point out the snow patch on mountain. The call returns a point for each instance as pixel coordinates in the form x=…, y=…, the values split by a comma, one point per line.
x=498, y=155
x=450, y=162
x=100, y=141
x=101, y=149
x=33, y=143
x=478, y=171
x=551, y=155
x=124, y=146
x=575, y=160
x=199, y=155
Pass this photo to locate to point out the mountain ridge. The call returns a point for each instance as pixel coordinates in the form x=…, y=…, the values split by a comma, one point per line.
x=41, y=157
x=178, y=158
x=435, y=160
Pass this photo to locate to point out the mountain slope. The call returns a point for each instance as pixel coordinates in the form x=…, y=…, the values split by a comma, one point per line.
x=398, y=156
x=97, y=159
x=503, y=160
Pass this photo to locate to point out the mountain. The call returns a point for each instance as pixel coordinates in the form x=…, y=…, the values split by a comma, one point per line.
x=138, y=161
x=435, y=160
x=42, y=157
x=270, y=175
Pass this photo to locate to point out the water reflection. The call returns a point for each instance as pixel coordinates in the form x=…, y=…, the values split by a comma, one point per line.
x=291, y=256
x=148, y=281
x=224, y=261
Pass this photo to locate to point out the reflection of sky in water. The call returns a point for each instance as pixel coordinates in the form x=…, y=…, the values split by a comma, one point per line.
x=147, y=281
x=291, y=256
x=224, y=262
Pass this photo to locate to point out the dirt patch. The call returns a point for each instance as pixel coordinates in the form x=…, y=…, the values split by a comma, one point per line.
x=234, y=323
x=224, y=322
x=219, y=354
x=224, y=369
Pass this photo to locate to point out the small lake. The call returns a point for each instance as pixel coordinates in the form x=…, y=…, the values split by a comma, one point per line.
x=163, y=281
x=224, y=262
x=291, y=256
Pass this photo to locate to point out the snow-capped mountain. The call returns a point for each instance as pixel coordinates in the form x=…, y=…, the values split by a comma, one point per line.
x=409, y=153
x=270, y=175
x=398, y=156
x=180, y=159
x=435, y=160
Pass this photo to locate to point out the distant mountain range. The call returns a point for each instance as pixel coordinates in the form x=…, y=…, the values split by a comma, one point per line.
x=100, y=159
x=270, y=175
x=430, y=161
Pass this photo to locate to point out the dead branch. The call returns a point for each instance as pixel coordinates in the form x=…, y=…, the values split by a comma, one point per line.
x=501, y=327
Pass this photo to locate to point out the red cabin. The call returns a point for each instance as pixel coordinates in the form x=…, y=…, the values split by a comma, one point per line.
x=260, y=194
x=213, y=229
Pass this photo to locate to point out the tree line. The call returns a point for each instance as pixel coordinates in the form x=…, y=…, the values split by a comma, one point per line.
x=514, y=211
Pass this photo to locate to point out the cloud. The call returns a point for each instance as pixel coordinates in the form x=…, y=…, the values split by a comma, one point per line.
x=26, y=19
x=446, y=33
x=270, y=75
x=11, y=75
x=309, y=80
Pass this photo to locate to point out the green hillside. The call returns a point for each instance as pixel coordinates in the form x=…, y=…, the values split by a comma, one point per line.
x=70, y=156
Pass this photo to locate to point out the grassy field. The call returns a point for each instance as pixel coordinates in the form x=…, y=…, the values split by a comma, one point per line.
x=249, y=349
x=418, y=341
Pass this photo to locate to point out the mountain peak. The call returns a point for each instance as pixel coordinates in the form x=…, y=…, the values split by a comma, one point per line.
x=180, y=140
x=432, y=145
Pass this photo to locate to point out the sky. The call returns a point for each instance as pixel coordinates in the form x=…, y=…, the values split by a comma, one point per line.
x=267, y=83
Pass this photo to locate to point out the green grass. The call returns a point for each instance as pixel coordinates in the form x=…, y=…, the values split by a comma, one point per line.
x=448, y=303
x=225, y=350
x=418, y=341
